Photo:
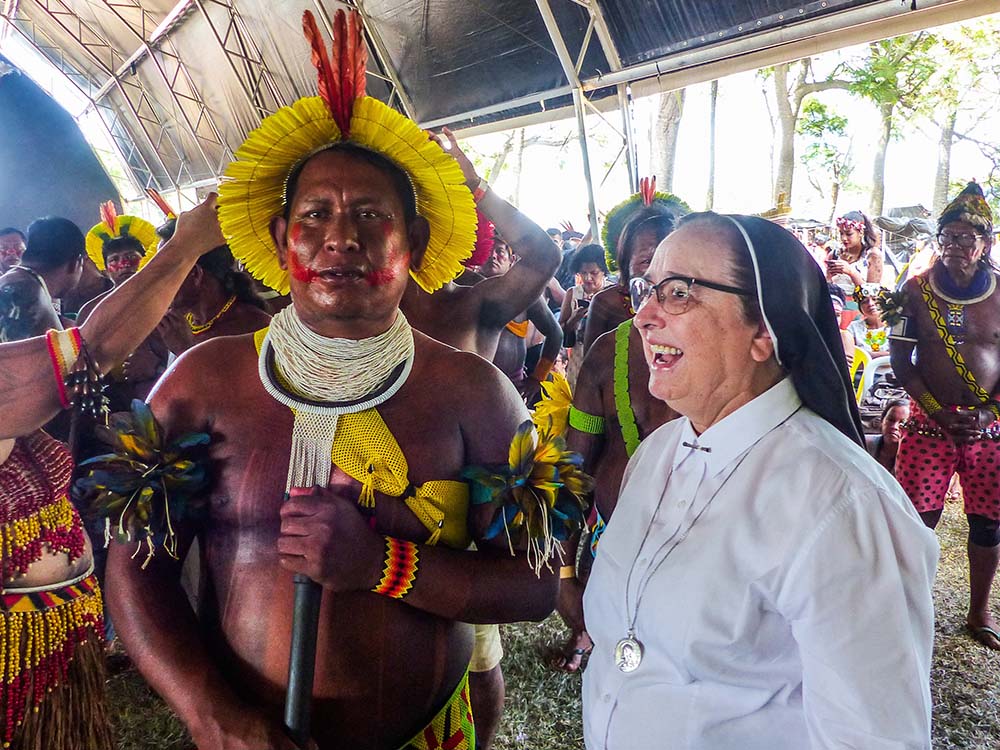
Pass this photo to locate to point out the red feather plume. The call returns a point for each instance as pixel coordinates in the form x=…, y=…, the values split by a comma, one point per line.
x=321, y=61
x=647, y=187
x=109, y=215
x=162, y=204
x=342, y=73
x=485, y=231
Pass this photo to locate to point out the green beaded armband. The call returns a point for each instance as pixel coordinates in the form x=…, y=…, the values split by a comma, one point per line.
x=584, y=422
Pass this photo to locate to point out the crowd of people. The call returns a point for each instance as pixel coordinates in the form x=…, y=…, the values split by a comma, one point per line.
x=737, y=562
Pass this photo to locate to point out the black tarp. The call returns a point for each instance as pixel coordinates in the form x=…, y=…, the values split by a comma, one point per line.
x=456, y=57
x=453, y=57
x=46, y=166
x=648, y=29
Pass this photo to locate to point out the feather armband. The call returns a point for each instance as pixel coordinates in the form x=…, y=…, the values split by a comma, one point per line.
x=144, y=487
x=540, y=491
x=890, y=304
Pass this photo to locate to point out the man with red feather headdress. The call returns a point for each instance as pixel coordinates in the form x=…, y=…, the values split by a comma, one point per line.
x=341, y=437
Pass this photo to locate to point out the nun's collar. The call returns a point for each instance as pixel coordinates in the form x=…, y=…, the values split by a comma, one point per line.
x=731, y=436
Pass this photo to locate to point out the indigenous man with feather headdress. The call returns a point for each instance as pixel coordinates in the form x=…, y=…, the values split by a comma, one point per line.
x=944, y=334
x=366, y=424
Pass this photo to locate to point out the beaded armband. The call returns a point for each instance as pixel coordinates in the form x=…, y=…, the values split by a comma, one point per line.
x=584, y=422
x=64, y=349
x=539, y=493
x=147, y=484
x=931, y=405
x=400, y=570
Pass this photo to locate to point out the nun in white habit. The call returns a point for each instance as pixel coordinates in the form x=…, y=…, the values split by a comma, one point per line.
x=763, y=584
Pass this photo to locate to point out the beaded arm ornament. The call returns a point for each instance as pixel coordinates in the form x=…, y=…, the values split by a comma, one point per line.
x=541, y=490
x=146, y=485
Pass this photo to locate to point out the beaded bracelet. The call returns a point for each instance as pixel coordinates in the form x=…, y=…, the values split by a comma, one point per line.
x=480, y=192
x=64, y=349
x=931, y=405
x=400, y=568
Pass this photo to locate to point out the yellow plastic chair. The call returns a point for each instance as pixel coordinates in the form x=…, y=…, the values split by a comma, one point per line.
x=864, y=361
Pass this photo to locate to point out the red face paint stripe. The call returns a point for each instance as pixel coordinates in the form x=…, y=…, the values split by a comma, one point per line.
x=305, y=275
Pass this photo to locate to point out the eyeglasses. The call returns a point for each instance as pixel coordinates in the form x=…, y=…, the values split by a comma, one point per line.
x=674, y=292
x=965, y=240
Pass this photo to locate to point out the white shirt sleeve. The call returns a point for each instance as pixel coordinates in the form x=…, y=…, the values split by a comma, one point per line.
x=858, y=597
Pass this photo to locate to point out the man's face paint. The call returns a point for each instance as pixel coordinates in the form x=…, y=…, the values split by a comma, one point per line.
x=295, y=267
x=397, y=263
x=121, y=266
x=347, y=247
x=11, y=250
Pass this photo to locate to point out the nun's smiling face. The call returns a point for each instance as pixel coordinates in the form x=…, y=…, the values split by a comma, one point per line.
x=708, y=360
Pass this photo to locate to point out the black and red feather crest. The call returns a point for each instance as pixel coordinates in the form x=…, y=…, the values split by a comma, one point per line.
x=341, y=74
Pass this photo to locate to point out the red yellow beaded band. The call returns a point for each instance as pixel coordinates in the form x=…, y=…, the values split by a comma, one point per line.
x=400, y=568
x=64, y=348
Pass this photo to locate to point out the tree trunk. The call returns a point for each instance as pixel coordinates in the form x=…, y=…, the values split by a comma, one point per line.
x=494, y=171
x=878, y=170
x=786, y=136
x=834, y=197
x=666, y=125
x=713, y=100
x=942, y=177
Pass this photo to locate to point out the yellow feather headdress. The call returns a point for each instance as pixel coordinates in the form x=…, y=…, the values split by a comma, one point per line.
x=113, y=227
x=253, y=187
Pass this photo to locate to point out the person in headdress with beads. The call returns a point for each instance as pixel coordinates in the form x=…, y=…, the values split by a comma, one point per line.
x=51, y=630
x=51, y=626
x=119, y=245
x=631, y=232
x=948, y=317
x=216, y=299
x=340, y=438
x=612, y=409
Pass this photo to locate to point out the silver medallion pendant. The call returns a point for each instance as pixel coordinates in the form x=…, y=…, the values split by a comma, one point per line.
x=628, y=654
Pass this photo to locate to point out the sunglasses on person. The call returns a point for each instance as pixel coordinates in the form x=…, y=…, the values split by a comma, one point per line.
x=674, y=292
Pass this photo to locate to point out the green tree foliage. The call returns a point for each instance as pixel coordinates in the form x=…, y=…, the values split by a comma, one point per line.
x=893, y=75
x=827, y=154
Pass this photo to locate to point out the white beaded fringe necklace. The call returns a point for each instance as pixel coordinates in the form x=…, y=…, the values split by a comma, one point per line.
x=331, y=376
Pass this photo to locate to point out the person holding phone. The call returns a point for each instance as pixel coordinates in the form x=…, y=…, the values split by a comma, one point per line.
x=857, y=260
x=591, y=273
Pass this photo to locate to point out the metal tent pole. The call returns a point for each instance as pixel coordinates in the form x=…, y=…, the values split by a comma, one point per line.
x=569, y=69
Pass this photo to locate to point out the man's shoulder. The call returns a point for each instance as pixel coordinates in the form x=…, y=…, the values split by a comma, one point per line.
x=88, y=307
x=602, y=352
x=218, y=357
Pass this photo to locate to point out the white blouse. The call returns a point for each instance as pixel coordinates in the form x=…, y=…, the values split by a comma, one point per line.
x=795, y=610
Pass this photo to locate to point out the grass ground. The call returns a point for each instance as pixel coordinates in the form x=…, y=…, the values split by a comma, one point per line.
x=543, y=708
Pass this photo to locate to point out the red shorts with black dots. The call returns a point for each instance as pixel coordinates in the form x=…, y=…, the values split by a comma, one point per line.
x=928, y=458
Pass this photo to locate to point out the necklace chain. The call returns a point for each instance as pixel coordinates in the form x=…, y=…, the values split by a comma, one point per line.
x=650, y=571
x=199, y=328
x=647, y=576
